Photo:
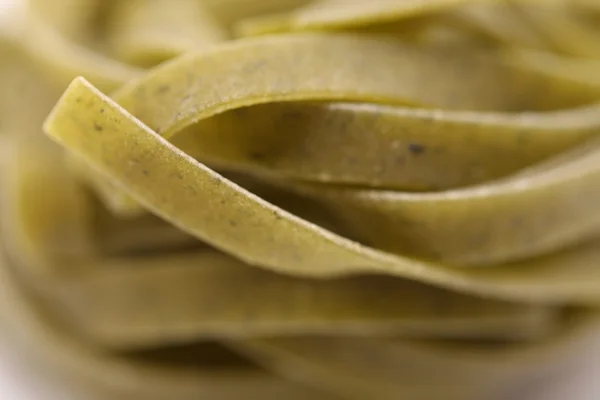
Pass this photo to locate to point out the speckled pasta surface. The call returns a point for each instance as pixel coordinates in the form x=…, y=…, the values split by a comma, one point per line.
x=325, y=199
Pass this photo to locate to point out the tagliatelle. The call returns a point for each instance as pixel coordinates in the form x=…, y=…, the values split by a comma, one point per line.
x=336, y=14
x=150, y=32
x=66, y=59
x=216, y=210
x=326, y=143
x=138, y=236
x=503, y=220
x=231, y=12
x=325, y=199
x=180, y=84
x=71, y=18
x=568, y=34
x=361, y=368
x=497, y=20
x=81, y=371
x=189, y=91
x=25, y=97
x=155, y=300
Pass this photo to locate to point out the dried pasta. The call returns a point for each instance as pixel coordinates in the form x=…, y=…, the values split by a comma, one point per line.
x=326, y=199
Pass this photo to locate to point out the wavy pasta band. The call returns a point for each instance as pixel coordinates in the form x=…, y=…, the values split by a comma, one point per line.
x=322, y=199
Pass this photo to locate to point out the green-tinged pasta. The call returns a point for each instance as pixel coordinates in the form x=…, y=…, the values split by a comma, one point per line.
x=125, y=236
x=267, y=70
x=338, y=67
x=361, y=368
x=328, y=143
x=72, y=18
x=159, y=299
x=428, y=230
x=148, y=32
x=231, y=12
x=525, y=215
x=111, y=196
x=72, y=237
x=138, y=236
x=499, y=20
x=25, y=95
x=524, y=22
x=560, y=27
x=324, y=199
x=65, y=59
x=336, y=14
x=216, y=210
x=46, y=349
x=575, y=69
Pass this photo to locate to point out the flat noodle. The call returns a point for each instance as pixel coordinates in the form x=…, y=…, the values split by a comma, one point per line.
x=374, y=199
x=72, y=237
x=25, y=96
x=359, y=368
x=119, y=204
x=467, y=81
x=125, y=236
x=224, y=83
x=325, y=143
x=522, y=216
x=215, y=210
x=231, y=12
x=138, y=236
x=560, y=27
x=498, y=20
x=575, y=69
x=81, y=371
x=336, y=14
x=147, y=33
x=72, y=18
x=66, y=59
x=203, y=296
x=151, y=301
x=433, y=231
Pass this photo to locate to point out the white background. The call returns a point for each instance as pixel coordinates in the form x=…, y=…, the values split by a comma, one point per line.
x=16, y=384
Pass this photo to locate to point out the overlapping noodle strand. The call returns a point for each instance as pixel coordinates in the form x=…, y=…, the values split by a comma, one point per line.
x=304, y=199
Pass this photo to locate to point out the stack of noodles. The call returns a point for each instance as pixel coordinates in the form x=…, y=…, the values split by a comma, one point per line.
x=269, y=199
